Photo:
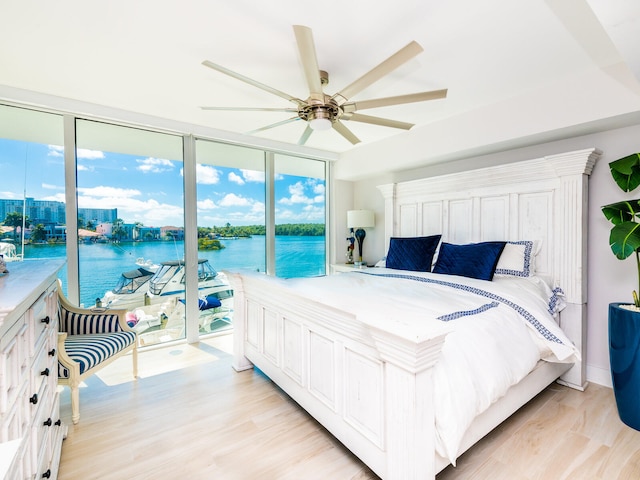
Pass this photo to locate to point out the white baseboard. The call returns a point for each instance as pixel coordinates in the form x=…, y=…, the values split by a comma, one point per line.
x=599, y=375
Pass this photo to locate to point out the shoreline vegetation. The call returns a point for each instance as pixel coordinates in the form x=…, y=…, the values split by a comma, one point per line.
x=208, y=237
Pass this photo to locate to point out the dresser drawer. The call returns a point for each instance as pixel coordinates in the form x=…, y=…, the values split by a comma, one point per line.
x=41, y=321
x=14, y=363
x=42, y=368
x=16, y=420
x=41, y=429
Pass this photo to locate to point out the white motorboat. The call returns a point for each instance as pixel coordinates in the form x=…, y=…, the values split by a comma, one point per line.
x=154, y=284
x=8, y=252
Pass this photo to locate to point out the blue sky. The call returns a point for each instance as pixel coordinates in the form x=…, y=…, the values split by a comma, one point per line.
x=149, y=190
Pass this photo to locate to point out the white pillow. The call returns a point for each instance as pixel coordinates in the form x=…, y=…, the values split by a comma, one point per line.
x=517, y=259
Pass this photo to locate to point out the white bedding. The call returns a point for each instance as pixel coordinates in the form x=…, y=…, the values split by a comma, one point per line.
x=499, y=331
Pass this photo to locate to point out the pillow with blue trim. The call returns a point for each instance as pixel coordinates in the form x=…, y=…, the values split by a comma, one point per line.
x=473, y=260
x=412, y=253
x=517, y=259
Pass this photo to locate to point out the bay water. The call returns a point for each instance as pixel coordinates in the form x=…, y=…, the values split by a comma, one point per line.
x=101, y=264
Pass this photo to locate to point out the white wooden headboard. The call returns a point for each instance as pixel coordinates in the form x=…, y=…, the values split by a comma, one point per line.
x=543, y=199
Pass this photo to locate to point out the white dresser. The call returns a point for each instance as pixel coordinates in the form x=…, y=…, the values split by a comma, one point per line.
x=31, y=431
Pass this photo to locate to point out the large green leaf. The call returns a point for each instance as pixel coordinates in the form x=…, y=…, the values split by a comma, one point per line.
x=625, y=239
x=626, y=172
x=619, y=212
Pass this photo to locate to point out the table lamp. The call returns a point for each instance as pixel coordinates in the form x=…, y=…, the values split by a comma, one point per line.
x=360, y=219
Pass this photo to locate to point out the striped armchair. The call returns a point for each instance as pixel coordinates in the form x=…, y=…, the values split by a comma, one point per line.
x=88, y=340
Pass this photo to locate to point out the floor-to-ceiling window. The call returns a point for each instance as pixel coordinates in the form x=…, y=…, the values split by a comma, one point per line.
x=300, y=212
x=130, y=199
x=231, y=222
x=32, y=186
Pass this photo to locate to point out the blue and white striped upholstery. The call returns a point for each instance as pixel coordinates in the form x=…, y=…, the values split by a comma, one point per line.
x=85, y=324
x=92, y=349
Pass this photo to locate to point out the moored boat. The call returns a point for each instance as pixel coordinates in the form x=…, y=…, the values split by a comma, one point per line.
x=152, y=284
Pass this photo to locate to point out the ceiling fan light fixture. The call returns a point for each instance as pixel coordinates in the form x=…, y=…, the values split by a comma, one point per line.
x=320, y=119
x=320, y=124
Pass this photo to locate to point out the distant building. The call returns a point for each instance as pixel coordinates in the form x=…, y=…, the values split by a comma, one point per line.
x=176, y=232
x=97, y=215
x=37, y=211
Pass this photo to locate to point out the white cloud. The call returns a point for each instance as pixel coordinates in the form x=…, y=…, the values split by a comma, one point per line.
x=297, y=195
x=207, y=175
x=252, y=176
x=154, y=165
x=233, y=200
x=89, y=154
x=84, y=153
x=235, y=178
x=207, y=204
x=106, y=192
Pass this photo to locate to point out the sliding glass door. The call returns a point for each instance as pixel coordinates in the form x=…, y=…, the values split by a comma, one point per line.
x=131, y=226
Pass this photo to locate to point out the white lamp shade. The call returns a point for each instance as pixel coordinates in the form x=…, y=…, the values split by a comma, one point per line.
x=360, y=219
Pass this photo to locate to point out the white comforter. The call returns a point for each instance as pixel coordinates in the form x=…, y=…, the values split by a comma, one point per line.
x=499, y=331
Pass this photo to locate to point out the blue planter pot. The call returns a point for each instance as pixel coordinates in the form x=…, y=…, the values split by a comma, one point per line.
x=624, y=354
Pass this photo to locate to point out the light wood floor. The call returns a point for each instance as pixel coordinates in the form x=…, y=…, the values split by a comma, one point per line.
x=190, y=416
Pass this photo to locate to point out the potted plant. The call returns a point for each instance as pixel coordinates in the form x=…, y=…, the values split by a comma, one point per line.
x=624, y=319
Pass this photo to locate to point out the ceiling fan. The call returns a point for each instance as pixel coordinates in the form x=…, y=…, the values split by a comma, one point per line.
x=323, y=112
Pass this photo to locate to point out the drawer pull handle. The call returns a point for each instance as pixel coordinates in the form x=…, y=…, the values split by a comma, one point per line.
x=47, y=422
x=52, y=352
x=46, y=320
x=47, y=474
x=45, y=372
x=34, y=399
x=58, y=423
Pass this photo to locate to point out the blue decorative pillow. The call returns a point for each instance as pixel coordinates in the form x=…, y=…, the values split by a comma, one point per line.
x=412, y=253
x=207, y=303
x=474, y=260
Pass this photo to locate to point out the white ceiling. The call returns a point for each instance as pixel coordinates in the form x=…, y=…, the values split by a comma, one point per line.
x=514, y=69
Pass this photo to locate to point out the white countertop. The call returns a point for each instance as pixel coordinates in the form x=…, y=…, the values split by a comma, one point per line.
x=23, y=284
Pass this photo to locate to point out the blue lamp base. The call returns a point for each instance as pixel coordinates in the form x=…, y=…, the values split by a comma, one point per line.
x=360, y=234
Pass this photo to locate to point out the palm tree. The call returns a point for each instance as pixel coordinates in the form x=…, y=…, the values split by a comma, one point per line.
x=14, y=219
x=117, y=230
x=39, y=233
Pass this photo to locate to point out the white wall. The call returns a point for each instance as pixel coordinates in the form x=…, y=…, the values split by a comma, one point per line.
x=609, y=279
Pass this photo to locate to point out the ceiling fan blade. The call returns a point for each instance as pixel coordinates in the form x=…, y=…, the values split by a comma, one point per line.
x=394, y=61
x=345, y=132
x=400, y=99
x=305, y=135
x=251, y=109
x=384, y=122
x=307, y=49
x=273, y=125
x=250, y=81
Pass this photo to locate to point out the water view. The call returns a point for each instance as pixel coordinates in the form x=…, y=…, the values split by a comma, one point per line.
x=101, y=264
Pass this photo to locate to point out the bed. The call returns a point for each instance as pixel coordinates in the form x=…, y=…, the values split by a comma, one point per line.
x=368, y=353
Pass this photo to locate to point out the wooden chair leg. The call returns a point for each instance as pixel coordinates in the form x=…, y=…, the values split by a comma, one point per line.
x=75, y=403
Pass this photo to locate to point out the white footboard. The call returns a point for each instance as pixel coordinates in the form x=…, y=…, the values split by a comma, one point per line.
x=371, y=388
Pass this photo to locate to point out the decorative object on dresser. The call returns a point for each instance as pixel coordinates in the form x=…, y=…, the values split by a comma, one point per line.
x=624, y=320
x=31, y=431
x=360, y=219
x=370, y=362
x=89, y=340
